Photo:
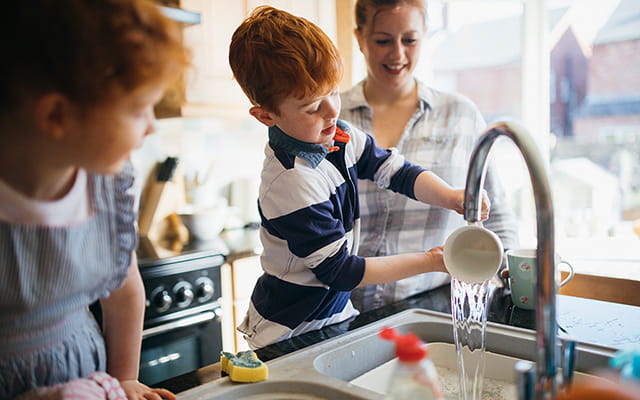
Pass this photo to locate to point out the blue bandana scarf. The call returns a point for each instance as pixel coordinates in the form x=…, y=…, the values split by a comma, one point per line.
x=313, y=153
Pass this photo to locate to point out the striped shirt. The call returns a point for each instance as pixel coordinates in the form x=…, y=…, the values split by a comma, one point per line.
x=310, y=231
x=440, y=136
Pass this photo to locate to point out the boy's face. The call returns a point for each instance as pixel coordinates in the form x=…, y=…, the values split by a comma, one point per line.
x=310, y=120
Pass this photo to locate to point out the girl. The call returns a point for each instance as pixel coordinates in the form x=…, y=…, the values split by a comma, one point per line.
x=79, y=80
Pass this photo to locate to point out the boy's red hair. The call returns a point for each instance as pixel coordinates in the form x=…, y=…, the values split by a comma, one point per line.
x=274, y=54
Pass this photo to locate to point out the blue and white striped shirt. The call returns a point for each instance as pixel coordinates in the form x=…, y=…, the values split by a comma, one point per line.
x=310, y=231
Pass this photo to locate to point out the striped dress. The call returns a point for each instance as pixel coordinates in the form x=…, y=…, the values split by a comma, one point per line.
x=48, y=277
x=308, y=203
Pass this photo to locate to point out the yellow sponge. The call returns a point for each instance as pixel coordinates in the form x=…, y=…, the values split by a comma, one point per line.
x=244, y=366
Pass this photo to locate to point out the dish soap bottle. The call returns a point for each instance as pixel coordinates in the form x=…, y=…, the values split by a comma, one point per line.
x=415, y=376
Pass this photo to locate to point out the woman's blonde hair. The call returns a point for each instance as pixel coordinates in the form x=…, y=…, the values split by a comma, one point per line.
x=366, y=10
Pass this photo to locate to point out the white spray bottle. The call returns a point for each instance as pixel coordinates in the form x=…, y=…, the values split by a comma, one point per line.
x=415, y=376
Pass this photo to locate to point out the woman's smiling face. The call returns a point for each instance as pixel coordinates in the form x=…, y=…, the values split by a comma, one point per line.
x=391, y=43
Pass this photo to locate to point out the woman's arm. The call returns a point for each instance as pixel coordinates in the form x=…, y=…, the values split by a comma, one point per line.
x=123, y=315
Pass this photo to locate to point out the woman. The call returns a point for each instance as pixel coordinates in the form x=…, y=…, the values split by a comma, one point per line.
x=434, y=129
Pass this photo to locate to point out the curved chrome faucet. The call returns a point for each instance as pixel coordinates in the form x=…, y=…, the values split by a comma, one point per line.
x=547, y=351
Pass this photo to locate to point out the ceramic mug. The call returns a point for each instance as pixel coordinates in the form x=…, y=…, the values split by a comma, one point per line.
x=472, y=253
x=522, y=274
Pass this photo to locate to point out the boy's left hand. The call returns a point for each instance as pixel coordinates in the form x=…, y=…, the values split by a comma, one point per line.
x=138, y=391
x=459, y=204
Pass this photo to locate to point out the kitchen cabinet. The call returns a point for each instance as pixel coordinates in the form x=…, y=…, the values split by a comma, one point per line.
x=245, y=273
x=208, y=89
x=239, y=277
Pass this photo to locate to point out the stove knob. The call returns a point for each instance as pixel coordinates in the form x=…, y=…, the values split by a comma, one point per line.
x=183, y=294
x=204, y=290
x=161, y=299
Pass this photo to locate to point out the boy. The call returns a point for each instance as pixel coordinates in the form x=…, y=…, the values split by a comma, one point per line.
x=308, y=199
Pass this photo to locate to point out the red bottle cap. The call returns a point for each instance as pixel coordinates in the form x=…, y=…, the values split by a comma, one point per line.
x=409, y=348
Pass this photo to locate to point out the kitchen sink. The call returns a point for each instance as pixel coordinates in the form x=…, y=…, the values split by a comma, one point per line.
x=499, y=382
x=357, y=364
x=273, y=389
x=498, y=377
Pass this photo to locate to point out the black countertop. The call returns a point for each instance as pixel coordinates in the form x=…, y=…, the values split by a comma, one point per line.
x=585, y=320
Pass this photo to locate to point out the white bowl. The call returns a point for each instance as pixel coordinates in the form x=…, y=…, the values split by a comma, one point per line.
x=206, y=223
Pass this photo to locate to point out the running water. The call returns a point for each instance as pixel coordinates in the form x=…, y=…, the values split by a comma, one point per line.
x=469, y=312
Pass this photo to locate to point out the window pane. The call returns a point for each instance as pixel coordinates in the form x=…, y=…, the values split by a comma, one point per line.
x=595, y=119
x=477, y=51
x=475, y=48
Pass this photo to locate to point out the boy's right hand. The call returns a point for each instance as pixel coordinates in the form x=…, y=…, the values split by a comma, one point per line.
x=436, y=260
x=458, y=203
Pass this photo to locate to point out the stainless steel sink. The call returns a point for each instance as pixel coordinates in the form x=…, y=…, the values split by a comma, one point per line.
x=333, y=369
x=272, y=389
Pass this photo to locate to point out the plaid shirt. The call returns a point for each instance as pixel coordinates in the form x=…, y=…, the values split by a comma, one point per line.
x=440, y=136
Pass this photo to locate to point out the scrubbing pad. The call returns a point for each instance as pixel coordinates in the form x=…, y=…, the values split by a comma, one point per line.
x=244, y=366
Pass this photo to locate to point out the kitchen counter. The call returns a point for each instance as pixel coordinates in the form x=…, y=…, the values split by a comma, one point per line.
x=609, y=324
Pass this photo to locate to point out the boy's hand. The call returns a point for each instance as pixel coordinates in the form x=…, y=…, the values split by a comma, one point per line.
x=458, y=202
x=486, y=206
x=458, y=207
x=138, y=391
x=436, y=260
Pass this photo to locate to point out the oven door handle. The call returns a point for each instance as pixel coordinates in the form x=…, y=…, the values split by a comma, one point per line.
x=181, y=323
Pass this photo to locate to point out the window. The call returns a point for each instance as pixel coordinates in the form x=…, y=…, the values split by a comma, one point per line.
x=570, y=71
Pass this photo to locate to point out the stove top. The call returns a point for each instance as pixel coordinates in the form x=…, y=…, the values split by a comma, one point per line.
x=183, y=284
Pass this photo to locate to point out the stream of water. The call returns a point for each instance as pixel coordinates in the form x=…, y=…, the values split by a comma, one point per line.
x=469, y=312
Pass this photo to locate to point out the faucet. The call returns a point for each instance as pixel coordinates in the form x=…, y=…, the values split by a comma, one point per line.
x=541, y=383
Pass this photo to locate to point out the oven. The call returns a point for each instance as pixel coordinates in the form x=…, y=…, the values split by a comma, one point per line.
x=182, y=323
